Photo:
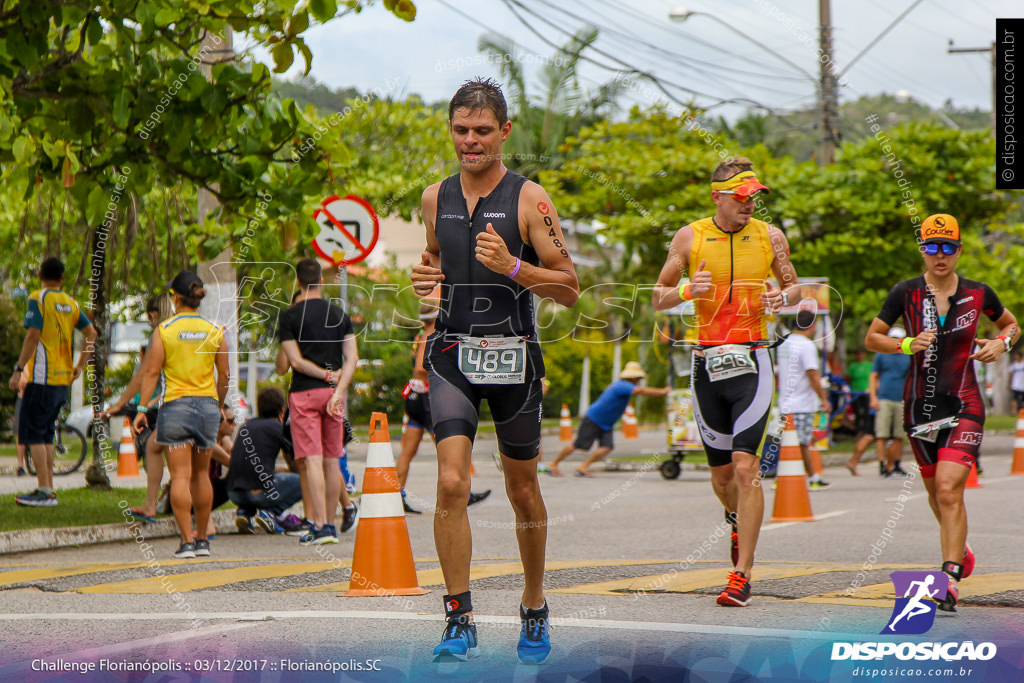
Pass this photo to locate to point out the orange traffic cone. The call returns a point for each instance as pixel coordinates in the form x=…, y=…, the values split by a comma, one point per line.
x=629, y=426
x=972, y=478
x=792, y=499
x=382, y=563
x=565, y=424
x=472, y=468
x=1018, y=446
x=127, y=458
x=816, y=465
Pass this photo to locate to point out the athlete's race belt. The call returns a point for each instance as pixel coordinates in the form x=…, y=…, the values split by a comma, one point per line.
x=493, y=360
x=929, y=431
x=728, y=360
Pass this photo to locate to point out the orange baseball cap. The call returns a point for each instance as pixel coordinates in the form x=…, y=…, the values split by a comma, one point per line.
x=940, y=228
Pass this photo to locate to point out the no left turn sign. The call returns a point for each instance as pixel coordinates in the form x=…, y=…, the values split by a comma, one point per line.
x=348, y=230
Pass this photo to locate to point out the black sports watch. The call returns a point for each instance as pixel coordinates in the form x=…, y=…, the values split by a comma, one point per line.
x=18, y=368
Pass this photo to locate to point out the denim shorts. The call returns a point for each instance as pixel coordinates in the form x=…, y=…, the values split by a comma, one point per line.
x=189, y=419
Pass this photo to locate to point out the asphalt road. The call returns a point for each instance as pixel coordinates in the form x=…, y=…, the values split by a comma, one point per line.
x=626, y=602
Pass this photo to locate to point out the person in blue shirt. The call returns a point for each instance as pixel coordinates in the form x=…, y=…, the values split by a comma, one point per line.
x=888, y=375
x=601, y=417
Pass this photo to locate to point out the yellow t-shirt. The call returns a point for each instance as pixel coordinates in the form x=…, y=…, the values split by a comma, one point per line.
x=190, y=347
x=739, y=262
x=56, y=315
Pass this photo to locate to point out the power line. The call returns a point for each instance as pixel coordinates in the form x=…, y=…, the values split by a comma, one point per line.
x=658, y=82
x=676, y=56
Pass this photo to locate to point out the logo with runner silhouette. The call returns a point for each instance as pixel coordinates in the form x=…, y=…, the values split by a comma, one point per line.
x=914, y=613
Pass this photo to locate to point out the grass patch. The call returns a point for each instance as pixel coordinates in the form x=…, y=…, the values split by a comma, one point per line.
x=1001, y=422
x=78, y=507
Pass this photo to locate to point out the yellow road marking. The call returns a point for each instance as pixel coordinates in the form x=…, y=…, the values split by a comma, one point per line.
x=56, y=572
x=689, y=580
x=870, y=596
x=209, y=579
x=434, y=577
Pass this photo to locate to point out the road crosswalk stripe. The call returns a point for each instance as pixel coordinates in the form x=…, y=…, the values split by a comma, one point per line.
x=208, y=579
x=689, y=580
x=61, y=571
x=434, y=577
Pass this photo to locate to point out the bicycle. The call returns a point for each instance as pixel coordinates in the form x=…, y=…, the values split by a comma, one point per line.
x=69, y=447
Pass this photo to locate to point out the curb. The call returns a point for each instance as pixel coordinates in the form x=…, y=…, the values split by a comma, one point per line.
x=26, y=540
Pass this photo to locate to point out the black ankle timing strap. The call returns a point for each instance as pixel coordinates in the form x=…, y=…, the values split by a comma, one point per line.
x=457, y=605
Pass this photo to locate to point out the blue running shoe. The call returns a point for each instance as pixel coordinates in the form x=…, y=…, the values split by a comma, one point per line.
x=266, y=520
x=458, y=640
x=534, y=641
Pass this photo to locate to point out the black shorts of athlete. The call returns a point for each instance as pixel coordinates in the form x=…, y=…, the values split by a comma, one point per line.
x=590, y=432
x=960, y=444
x=732, y=413
x=863, y=420
x=40, y=408
x=455, y=401
x=417, y=407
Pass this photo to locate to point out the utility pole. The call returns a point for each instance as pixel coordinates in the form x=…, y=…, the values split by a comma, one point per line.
x=828, y=92
x=219, y=274
x=991, y=49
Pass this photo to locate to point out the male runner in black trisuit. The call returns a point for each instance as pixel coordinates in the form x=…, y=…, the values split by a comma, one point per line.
x=493, y=242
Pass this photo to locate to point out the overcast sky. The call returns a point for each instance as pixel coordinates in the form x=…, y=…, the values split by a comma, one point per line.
x=434, y=54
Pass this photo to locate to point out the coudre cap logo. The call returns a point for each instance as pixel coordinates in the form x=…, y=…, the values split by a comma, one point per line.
x=914, y=613
x=940, y=226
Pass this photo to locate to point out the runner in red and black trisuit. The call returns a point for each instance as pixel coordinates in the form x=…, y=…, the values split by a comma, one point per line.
x=943, y=410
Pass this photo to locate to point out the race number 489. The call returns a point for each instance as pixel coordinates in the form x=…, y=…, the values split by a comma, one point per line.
x=492, y=361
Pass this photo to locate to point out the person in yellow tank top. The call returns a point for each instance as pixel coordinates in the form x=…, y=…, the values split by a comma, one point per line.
x=729, y=257
x=187, y=348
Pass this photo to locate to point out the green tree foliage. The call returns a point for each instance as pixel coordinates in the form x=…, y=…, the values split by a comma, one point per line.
x=12, y=315
x=854, y=222
x=388, y=152
x=795, y=133
x=307, y=91
x=645, y=177
x=92, y=90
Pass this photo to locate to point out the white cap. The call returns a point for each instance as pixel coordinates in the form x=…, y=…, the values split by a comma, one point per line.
x=897, y=332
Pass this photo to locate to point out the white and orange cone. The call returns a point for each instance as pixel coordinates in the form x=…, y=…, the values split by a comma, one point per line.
x=127, y=458
x=382, y=562
x=1018, y=446
x=630, y=430
x=972, y=478
x=565, y=424
x=816, y=464
x=792, y=499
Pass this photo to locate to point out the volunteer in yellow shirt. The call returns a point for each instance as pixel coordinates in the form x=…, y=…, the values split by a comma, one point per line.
x=187, y=348
x=47, y=358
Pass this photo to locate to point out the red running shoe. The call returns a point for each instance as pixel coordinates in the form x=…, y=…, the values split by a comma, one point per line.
x=735, y=547
x=737, y=592
x=968, y=561
x=948, y=604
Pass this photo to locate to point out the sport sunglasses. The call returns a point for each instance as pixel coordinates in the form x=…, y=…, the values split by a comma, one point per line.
x=933, y=249
x=739, y=195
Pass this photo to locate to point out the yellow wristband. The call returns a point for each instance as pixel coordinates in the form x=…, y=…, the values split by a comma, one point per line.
x=905, y=345
x=684, y=292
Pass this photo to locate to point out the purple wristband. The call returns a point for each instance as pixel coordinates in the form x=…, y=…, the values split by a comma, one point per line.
x=516, y=269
